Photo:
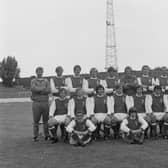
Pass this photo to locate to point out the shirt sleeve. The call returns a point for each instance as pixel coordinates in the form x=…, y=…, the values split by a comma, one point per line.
x=92, y=106
x=144, y=124
x=155, y=82
x=165, y=100
x=88, y=106
x=104, y=84
x=71, y=107
x=90, y=125
x=129, y=101
x=52, y=86
x=68, y=83
x=124, y=126
x=139, y=81
x=34, y=87
x=86, y=87
x=148, y=104
x=70, y=126
x=52, y=108
x=110, y=105
x=47, y=89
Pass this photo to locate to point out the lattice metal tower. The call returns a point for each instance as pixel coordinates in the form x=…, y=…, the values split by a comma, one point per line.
x=111, y=53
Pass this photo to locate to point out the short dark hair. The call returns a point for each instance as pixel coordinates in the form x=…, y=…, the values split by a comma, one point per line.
x=77, y=66
x=39, y=68
x=57, y=68
x=132, y=110
x=111, y=69
x=99, y=87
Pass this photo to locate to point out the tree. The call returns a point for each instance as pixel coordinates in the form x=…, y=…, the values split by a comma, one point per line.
x=9, y=70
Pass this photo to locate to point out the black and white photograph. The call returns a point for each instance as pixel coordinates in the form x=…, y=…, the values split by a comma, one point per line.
x=83, y=83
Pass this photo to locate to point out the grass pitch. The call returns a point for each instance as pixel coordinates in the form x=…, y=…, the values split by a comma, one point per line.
x=17, y=150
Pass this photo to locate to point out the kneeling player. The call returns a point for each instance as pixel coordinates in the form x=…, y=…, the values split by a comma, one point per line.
x=133, y=127
x=80, y=129
x=101, y=109
x=59, y=115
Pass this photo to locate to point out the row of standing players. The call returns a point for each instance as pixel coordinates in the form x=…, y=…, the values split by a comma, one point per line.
x=99, y=102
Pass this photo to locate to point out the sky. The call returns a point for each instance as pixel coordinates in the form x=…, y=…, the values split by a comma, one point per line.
x=49, y=33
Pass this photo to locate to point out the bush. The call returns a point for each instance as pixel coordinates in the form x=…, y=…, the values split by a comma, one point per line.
x=9, y=71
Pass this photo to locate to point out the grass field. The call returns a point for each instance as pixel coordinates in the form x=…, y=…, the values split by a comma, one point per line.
x=18, y=151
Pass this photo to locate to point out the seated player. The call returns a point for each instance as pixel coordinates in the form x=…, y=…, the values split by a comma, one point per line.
x=145, y=80
x=100, y=112
x=57, y=82
x=58, y=115
x=76, y=81
x=110, y=81
x=119, y=109
x=133, y=127
x=80, y=130
x=157, y=107
x=78, y=103
x=90, y=84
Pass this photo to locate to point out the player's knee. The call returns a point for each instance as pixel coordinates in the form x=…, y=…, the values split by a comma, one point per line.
x=114, y=121
x=67, y=121
x=107, y=121
x=94, y=120
x=165, y=118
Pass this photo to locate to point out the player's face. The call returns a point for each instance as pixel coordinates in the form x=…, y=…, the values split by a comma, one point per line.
x=100, y=91
x=133, y=116
x=128, y=71
x=93, y=74
x=77, y=71
x=112, y=73
x=139, y=91
x=145, y=71
x=157, y=91
x=119, y=90
x=62, y=94
x=80, y=93
x=80, y=118
x=59, y=72
x=39, y=73
x=164, y=72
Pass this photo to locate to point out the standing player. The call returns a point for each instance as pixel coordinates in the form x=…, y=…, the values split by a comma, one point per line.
x=40, y=89
x=59, y=115
x=80, y=129
x=76, y=81
x=163, y=80
x=129, y=81
x=133, y=127
x=91, y=83
x=145, y=80
x=57, y=82
x=100, y=112
x=111, y=81
x=155, y=74
x=157, y=108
